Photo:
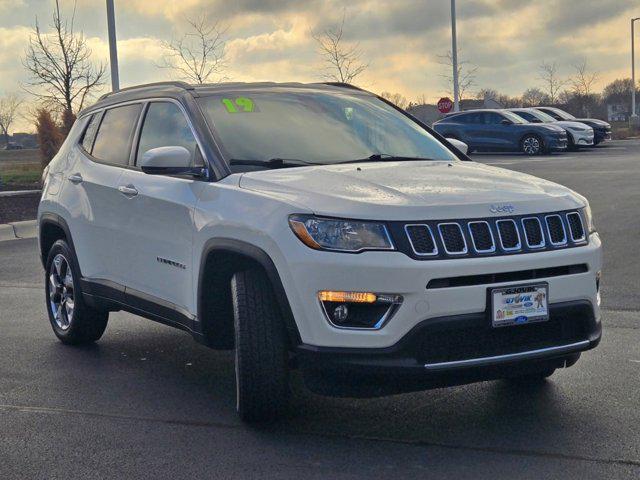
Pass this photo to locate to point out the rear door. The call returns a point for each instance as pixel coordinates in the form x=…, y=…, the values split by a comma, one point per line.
x=474, y=128
x=497, y=133
x=159, y=226
x=96, y=207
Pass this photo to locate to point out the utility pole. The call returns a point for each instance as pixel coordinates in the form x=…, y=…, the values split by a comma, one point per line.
x=454, y=58
x=113, y=48
x=634, y=116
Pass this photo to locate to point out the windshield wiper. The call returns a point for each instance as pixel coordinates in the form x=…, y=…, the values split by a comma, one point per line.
x=272, y=162
x=385, y=157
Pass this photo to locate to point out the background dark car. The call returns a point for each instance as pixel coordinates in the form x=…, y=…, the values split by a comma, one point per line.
x=12, y=146
x=499, y=130
x=601, y=129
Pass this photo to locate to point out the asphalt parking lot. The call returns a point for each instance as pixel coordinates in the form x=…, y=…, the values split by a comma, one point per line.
x=148, y=402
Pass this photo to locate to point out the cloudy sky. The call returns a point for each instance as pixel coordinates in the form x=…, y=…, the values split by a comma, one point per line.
x=399, y=39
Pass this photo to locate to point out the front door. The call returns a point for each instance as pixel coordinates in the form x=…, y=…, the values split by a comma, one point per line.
x=159, y=230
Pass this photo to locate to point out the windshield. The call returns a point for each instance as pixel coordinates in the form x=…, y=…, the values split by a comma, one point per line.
x=513, y=117
x=315, y=128
x=545, y=117
x=561, y=114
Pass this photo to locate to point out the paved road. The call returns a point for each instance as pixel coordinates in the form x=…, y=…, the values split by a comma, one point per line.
x=148, y=402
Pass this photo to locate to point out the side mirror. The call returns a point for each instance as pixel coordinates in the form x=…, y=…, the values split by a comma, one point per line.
x=463, y=147
x=168, y=161
x=506, y=121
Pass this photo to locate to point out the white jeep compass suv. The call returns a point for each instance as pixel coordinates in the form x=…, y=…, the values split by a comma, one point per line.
x=315, y=228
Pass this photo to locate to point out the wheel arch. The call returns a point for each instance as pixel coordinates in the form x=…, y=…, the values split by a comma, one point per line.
x=51, y=228
x=221, y=258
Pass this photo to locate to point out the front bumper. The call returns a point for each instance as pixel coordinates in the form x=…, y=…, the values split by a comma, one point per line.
x=600, y=135
x=557, y=143
x=583, y=138
x=308, y=271
x=453, y=350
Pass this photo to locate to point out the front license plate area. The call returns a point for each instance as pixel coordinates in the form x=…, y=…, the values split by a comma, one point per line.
x=519, y=305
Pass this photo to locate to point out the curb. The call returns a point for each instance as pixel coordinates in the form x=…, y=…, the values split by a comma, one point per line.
x=18, y=230
x=19, y=193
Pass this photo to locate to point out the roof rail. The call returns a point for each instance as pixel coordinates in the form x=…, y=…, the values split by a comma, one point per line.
x=343, y=85
x=170, y=83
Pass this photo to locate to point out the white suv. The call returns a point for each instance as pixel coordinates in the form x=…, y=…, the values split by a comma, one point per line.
x=317, y=228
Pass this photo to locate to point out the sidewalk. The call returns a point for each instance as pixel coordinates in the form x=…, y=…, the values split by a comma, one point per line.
x=18, y=230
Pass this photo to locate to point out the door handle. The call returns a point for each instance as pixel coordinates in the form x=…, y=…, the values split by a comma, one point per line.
x=128, y=190
x=75, y=178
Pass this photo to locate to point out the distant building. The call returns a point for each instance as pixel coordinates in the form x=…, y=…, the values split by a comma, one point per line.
x=26, y=140
x=618, y=112
x=425, y=113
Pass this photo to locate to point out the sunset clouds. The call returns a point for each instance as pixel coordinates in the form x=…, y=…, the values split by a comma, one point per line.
x=400, y=39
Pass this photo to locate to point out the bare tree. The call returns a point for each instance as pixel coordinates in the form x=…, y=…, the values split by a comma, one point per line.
x=343, y=63
x=551, y=80
x=583, y=80
x=9, y=106
x=199, y=55
x=61, y=73
x=396, y=98
x=534, y=97
x=466, y=75
x=420, y=100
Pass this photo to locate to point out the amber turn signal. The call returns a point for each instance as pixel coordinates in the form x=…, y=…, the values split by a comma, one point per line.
x=347, y=297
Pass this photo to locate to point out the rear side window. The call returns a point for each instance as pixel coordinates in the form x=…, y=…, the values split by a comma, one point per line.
x=166, y=126
x=460, y=118
x=491, y=118
x=469, y=118
x=113, y=142
x=90, y=132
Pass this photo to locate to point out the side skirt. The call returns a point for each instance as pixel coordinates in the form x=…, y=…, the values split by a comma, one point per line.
x=104, y=294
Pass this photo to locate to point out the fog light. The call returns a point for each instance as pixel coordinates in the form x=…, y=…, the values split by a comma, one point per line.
x=358, y=310
x=340, y=313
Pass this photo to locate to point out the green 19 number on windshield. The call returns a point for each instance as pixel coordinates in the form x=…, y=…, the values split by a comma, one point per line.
x=241, y=104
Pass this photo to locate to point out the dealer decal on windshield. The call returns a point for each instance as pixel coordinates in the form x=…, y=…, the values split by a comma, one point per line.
x=239, y=105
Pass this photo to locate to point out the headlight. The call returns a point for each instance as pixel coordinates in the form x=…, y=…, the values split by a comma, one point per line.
x=340, y=235
x=578, y=129
x=589, y=218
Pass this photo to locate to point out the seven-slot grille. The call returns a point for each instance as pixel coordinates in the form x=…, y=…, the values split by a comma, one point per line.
x=452, y=238
x=497, y=236
x=421, y=239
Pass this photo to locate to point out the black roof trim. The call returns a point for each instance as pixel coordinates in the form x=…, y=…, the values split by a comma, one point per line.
x=176, y=88
x=178, y=84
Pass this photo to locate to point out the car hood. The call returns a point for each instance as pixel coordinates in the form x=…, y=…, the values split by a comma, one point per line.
x=593, y=122
x=411, y=190
x=571, y=124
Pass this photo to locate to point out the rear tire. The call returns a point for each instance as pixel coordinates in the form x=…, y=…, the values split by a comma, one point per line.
x=531, y=145
x=261, y=354
x=72, y=320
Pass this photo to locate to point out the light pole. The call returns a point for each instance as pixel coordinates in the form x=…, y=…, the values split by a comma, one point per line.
x=454, y=58
x=113, y=48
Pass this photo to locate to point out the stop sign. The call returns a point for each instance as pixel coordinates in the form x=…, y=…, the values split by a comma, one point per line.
x=445, y=105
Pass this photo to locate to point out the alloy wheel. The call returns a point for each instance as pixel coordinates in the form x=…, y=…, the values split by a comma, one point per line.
x=531, y=145
x=61, y=292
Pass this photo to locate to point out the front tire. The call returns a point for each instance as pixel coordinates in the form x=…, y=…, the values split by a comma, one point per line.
x=72, y=320
x=532, y=145
x=261, y=354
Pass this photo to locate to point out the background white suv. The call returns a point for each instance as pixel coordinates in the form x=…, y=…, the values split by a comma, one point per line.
x=314, y=227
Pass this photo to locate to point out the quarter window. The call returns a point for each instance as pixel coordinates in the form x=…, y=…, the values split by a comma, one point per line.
x=166, y=126
x=113, y=142
x=90, y=133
